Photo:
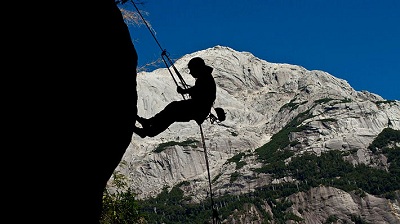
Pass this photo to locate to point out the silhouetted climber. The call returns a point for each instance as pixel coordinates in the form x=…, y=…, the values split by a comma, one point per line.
x=197, y=108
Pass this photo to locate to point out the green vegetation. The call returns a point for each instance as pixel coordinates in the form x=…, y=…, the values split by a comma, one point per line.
x=328, y=120
x=357, y=219
x=385, y=139
x=170, y=207
x=234, y=176
x=326, y=100
x=294, y=143
x=292, y=105
x=237, y=159
x=346, y=100
x=330, y=169
x=331, y=219
x=386, y=143
x=385, y=102
x=273, y=153
x=310, y=170
x=121, y=206
x=216, y=178
x=189, y=142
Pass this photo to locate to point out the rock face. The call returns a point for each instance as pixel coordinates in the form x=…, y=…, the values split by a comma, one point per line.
x=260, y=98
x=318, y=204
x=76, y=85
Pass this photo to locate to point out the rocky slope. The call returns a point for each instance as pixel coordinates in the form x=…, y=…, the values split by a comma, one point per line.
x=259, y=99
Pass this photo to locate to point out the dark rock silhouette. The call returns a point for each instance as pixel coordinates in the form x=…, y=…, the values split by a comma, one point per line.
x=75, y=76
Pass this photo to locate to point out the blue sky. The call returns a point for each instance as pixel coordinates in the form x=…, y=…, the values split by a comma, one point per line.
x=355, y=40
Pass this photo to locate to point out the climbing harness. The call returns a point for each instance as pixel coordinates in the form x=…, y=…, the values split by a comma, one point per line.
x=213, y=118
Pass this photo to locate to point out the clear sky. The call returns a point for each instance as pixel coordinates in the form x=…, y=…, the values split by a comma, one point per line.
x=355, y=40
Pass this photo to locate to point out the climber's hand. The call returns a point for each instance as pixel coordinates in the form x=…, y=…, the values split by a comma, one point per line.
x=179, y=90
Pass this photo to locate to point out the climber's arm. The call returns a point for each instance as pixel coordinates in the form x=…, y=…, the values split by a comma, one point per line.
x=181, y=90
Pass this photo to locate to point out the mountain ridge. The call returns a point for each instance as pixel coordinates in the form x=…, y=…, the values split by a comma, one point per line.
x=260, y=99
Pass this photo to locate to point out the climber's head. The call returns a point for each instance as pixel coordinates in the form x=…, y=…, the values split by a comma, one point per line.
x=196, y=63
x=196, y=66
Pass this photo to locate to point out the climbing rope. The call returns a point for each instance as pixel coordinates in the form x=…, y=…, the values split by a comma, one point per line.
x=169, y=63
x=165, y=56
x=215, y=216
